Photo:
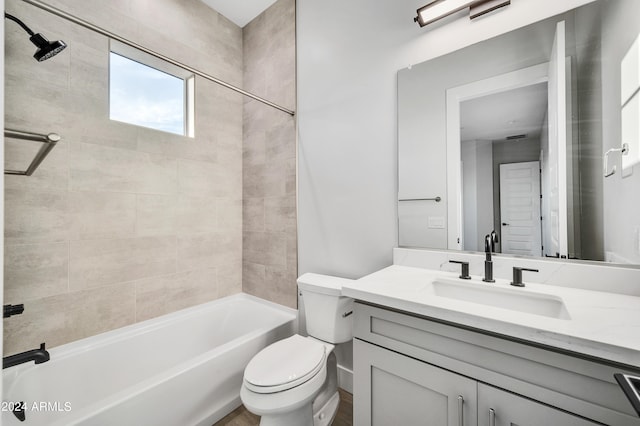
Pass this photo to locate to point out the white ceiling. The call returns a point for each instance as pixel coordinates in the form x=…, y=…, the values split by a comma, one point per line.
x=514, y=112
x=240, y=12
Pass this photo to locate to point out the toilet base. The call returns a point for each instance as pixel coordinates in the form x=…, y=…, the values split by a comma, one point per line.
x=303, y=416
x=326, y=414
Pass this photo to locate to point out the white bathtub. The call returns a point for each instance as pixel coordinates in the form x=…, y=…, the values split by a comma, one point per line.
x=180, y=369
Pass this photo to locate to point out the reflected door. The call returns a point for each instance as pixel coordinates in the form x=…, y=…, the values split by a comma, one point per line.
x=520, y=208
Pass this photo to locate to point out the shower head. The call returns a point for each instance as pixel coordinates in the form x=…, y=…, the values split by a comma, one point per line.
x=46, y=49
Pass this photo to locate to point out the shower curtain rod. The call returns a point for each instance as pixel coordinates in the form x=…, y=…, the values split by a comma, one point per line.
x=94, y=28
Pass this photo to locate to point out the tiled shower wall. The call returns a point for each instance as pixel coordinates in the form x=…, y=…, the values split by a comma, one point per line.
x=269, y=157
x=122, y=223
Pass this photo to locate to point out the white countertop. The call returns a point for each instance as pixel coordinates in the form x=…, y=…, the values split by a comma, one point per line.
x=602, y=325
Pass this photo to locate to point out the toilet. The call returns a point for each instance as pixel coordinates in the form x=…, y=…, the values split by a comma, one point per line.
x=294, y=382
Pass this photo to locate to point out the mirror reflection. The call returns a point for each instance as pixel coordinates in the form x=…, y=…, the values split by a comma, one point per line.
x=513, y=134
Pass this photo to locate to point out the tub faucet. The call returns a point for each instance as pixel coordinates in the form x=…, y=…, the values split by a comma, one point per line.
x=37, y=355
x=488, y=263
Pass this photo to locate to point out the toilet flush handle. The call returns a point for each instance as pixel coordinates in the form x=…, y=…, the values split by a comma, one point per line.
x=346, y=314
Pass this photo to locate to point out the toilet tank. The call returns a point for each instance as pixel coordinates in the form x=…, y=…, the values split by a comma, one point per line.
x=328, y=314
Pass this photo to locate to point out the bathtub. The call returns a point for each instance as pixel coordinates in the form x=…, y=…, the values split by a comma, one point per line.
x=179, y=369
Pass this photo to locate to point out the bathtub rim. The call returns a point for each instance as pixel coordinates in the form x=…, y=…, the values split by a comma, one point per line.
x=102, y=339
x=95, y=342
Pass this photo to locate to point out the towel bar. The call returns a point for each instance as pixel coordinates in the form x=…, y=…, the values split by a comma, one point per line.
x=48, y=140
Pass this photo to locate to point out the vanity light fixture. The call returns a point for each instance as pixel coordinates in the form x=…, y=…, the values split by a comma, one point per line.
x=438, y=9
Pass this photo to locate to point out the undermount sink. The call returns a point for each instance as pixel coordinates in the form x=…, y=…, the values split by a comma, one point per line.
x=547, y=305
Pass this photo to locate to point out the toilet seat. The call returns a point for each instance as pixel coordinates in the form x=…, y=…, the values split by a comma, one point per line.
x=285, y=364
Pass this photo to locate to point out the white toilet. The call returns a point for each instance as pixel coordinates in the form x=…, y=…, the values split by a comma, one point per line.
x=294, y=382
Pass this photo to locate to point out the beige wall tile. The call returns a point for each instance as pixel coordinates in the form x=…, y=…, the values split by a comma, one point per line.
x=100, y=168
x=278, y=284
x=229, y=214
x=280, y=214
x=35, y=216
x=254, y=150
x=33, y=271
x=101, y=215
x=198, y=251
x=259, y=181
x=156, y=142
x=230, y=278
x=196, y=214
x=254, y=278
x=253, y=214
x=267, y=248
x=64, y=318
x=95, y=130
x=102, y=262
x=292, y=252
x=156, y=215
x=197, y=178
x=157, y=175
x=161, y=295
x=269, y=157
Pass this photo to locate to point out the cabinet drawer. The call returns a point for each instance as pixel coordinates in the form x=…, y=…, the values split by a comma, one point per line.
x=573, y=384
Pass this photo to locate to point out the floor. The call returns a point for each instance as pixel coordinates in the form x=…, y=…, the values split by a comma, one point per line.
x=241, y=417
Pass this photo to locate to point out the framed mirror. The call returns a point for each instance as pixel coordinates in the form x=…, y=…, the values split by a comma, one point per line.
x=533, y=134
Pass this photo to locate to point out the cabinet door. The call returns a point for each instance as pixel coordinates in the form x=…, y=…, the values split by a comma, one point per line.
x=393, y=389
x=500, y=408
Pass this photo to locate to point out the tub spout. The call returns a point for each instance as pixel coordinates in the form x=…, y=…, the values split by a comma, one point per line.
x=37, y=355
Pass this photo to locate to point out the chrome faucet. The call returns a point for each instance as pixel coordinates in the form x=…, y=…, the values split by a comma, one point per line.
x=488, y=263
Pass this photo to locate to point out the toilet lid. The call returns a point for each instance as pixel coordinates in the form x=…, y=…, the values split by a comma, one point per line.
x=285, y=364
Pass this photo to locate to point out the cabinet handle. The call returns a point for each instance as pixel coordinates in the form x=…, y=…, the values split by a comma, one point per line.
x=460, y=410
x=492, y=417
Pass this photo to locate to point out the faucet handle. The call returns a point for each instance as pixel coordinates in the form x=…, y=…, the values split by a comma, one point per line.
x=517, y=276
x=465, y=269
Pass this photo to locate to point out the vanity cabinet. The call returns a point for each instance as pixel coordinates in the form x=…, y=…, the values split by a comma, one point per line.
x=403, y=391
x=412, y=370
x=500, y=408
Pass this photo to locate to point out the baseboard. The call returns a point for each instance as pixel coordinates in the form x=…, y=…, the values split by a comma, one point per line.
x=345, y=379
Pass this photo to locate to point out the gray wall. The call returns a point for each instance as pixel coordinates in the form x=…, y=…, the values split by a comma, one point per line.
x=477, y=191
x=621, y=202
x=348, y=56
x=120, y=223
x=269, y=157
x=589, y=89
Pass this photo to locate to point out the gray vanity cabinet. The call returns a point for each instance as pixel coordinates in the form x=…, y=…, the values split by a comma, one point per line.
x=412, y=370
x=398, y=390
x=500, y=408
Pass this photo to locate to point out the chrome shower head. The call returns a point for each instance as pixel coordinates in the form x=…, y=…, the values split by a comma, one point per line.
x=46, y=49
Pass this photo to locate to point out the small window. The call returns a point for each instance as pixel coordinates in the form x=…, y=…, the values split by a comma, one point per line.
x=149, y=92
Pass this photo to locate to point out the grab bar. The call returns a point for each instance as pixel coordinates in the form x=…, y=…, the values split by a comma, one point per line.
x=48, y=140
x=436, y=199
